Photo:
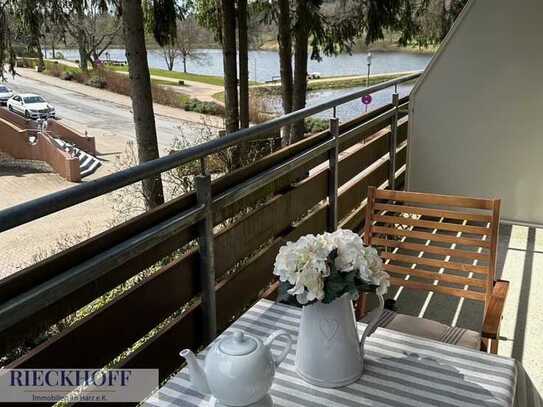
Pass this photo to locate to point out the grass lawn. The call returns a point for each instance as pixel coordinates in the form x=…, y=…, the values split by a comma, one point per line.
x=210, y=79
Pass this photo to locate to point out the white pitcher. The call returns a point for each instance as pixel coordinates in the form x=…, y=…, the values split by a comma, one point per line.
x=329, y=352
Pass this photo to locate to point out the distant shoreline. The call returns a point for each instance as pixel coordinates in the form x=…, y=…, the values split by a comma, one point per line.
x=272, y=47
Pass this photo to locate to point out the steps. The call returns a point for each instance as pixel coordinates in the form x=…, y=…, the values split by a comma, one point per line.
x=88, y=164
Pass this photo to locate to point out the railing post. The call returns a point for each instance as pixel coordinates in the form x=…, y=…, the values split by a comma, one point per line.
x=393, y=141
x=207, y=258
x=333, y=176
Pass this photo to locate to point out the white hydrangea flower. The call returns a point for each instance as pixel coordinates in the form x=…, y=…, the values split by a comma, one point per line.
x=349, y=247
x=303, y=264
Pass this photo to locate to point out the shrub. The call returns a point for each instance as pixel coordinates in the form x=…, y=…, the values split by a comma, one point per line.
x=195, y=105
x=67, y=76
x=59, y=55
x=115, y=82
x=167, y=97
x=315, y=124
x=79, y=76
x=54, y=69
x=97, y=82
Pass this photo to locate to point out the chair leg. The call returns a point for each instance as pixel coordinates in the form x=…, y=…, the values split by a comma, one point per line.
x=489, y=344
x=494, y=346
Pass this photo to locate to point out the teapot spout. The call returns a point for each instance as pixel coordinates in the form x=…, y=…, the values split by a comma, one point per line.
x=197, y=374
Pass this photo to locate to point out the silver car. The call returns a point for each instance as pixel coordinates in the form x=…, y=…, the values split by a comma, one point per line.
x=5, y=94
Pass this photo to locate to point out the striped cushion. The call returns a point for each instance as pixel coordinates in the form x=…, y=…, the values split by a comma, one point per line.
x=427, y=328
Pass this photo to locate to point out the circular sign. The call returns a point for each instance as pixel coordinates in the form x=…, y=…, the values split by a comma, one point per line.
x=366, y=99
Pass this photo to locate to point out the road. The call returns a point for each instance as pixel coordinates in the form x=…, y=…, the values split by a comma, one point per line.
x=102, y=117
x=107, y=117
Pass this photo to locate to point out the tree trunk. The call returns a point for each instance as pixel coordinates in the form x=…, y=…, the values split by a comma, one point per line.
x=301, y=38
x=285, y=61
x=184, y=62
x=230, y=72
x=243, y=75
x=142, y=98
x=243, y=65
x=81, y=41
x=41, y=62
x=83, y=56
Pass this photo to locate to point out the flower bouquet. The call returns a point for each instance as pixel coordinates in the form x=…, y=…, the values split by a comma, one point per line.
x=324, y=274
x=327, y=266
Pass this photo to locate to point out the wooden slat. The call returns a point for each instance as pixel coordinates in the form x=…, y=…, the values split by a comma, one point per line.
x=432, y=275
x=428, y=249
x=354, y=192
x=360, y=157
x=401, y=220
x=467, y=268
x=435, y=199
x=433, y=237
x=472, y=295
x=439, y=213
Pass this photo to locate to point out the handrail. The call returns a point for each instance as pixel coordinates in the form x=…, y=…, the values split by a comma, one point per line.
x=37, y=208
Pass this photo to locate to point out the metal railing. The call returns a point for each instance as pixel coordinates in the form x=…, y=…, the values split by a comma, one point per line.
x=37, y=208
x=22, y=306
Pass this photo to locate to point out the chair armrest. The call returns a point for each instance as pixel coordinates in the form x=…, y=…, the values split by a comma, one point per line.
x=494, y=311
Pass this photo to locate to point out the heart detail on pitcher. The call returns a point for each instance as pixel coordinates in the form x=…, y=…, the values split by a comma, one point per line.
x=328, y=328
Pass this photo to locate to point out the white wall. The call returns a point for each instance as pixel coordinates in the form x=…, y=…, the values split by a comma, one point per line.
x=476, y=125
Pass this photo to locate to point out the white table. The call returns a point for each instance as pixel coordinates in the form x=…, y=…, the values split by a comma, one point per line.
x=401, y=370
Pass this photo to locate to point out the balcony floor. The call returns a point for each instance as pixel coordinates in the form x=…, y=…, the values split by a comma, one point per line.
x=520, y=261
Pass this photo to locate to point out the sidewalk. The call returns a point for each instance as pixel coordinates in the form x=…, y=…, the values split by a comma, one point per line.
x=198, y=90
x=160, y=110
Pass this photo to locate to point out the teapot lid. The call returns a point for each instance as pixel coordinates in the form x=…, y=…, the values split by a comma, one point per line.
x=238, y=344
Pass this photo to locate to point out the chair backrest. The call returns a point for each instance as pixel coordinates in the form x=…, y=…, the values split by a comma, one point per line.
x=439, y=243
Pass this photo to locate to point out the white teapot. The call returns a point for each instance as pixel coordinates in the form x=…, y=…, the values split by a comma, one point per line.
x=238, y=369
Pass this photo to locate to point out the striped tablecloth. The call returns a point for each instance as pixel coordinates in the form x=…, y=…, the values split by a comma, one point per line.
x=400, y=370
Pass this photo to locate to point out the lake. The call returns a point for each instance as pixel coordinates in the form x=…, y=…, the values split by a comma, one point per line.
x=264, y=66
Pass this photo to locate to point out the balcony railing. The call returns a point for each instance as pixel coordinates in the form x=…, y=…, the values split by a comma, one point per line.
x=316, y=184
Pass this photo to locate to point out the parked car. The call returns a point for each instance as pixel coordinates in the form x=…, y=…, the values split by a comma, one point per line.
x=313, y=75
x=5, y=94
x=31, y=106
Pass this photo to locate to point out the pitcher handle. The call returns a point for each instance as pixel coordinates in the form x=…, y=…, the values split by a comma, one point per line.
x=372, y=325
x=286, y=350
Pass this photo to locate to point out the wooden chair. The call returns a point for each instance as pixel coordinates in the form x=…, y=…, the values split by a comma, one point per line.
x=441, y=244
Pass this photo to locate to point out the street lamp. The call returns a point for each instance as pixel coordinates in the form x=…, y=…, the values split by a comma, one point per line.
x=368, y=59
